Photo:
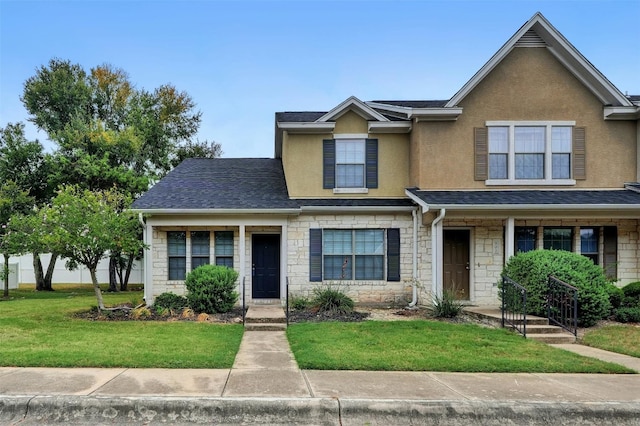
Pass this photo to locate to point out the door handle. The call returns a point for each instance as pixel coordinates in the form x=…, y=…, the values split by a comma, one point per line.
x=253, y=270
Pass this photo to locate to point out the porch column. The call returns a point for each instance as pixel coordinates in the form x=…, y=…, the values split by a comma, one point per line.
x=243, y=266
x=509, y=235
x=437, y=246
x=147, y=272
x=283, y=262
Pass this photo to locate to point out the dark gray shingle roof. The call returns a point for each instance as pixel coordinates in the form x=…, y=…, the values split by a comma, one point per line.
x=220, y=183
x=415, y=104
x=530, y=197
x=355, y=202
x=298, y=117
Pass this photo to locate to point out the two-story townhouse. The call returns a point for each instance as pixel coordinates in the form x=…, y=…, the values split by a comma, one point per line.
x=398, y=200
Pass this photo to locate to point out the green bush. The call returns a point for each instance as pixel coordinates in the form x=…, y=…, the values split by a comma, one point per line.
x=616, y=295
x=632, y=290
x=531, y=270
x=211, y=289
x=331, y=299
x=299, y=303
x=446, y=306
x=170, y=301
x=627, y=314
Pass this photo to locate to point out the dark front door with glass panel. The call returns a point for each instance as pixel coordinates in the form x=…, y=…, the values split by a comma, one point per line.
x=456, y=263
x=265, y=273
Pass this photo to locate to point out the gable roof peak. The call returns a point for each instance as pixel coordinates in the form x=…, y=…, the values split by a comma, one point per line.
x=538, y=32
x=352, y=104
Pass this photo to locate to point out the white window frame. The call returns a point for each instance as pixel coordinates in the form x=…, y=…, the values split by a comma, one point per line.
x=354, y=138
x=548, y=154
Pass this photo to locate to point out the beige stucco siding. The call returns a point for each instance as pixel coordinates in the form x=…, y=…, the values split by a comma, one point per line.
x=528, y=85
x=302, y=161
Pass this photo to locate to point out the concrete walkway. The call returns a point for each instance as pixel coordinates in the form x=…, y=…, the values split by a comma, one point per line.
x=265, y=386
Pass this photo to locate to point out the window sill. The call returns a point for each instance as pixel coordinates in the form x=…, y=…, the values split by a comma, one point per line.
x=350, y=190
x=530, y=182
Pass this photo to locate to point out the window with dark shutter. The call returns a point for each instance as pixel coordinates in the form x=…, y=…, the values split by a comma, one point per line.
x=393, y=254
x=579, y=153
x=329, y=163
x=315, y=255
x=481, y=153
x=372, y=163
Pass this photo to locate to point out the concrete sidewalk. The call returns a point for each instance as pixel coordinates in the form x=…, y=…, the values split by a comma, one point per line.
x=265, y=386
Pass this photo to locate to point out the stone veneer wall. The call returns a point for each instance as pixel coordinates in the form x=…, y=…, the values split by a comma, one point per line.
x=363, y=292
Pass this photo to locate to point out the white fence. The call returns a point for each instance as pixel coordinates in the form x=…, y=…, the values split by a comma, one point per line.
x=23, y=273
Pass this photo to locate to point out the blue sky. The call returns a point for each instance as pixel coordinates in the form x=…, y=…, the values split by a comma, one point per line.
x=241, y=61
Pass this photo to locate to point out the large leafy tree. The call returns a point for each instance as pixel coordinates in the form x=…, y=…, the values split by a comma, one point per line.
x=109, y=133
x=14, y=202
x=25, y=163
x=86, y=226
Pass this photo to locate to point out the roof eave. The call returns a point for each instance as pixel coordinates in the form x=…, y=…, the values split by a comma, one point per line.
x=356, y=209
x=436, y=114
x=622, y=113
x=280, y=211
x=307, y=127
x=389, y=127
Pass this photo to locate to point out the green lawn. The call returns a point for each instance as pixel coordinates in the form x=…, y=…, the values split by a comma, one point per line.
x=37, y=330
x=430, y=346
x=623, y=339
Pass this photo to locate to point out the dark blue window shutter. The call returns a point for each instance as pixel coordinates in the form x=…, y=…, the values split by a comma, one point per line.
x=328, y=164
x=393, y=254
x=372, y=163
x=315, y=255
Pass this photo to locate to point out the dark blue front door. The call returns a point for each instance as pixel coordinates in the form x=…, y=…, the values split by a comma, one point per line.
x=266, y=266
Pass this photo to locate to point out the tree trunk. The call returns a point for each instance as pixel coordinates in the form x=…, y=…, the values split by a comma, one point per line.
x=96, y=288
x=6, y=276
x=113, y=284
x=125, y=283
x=49, y=276
x=43, y=282
x=37, y=270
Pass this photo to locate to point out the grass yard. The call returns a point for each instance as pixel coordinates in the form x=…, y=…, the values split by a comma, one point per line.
x=622, y=338
x=37, y=330
x=430, y=346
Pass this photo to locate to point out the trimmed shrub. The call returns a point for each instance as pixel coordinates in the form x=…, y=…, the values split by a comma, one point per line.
x=299, y=303
x=531, y=270
x=632, y=290
x=446, y=306
x=330, y=299
x=627, y=314
x=170, y=301
x=616, y=295
x=211, y=289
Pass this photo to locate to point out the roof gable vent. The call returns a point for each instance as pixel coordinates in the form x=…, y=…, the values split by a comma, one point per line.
x=531, y=39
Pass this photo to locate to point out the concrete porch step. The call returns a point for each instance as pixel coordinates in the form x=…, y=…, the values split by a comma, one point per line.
x=553, y=339
x=265, y=318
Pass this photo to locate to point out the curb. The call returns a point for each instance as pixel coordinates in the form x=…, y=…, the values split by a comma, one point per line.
x=25, y=410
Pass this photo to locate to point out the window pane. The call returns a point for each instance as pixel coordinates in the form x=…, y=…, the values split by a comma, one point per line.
x=200, y=243
x=224, y=243
x=560, y=166
x=589, y=243
x=350, y=151
x=337, y=267
x=224, y=261
x=529, y=139
x=497, y=166
x=369, y=267
x=350, y=175
x=525, y=239
x=177, y=243
x=198, y=261
x=177, y=268
x=369, y=241
x=498, y=140
x=337, y=241
x=529, y=166
x=561, y=139
x=558, y=238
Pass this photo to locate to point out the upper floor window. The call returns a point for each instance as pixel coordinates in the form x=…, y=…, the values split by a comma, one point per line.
x=350, y=164
x=530, y=153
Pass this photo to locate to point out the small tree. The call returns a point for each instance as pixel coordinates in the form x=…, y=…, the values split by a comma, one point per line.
x=211, y=289
x=87, y=225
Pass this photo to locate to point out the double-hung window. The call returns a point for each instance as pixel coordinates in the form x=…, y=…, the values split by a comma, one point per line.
x=355, y=254
x=350, y=163
x=177, y=251
x=224, y=248
x=529, y=153
x=558, y=239
x=589, y=243
x=199, y=248
x=526, y=238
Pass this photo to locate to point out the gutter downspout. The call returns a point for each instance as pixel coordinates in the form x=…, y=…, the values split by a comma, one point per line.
x=414, y=273
x=434, y=251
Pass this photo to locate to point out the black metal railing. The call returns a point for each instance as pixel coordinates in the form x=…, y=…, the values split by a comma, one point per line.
x=562, y=305
x=286, y=312
x=244, y=303
x=514, y=305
